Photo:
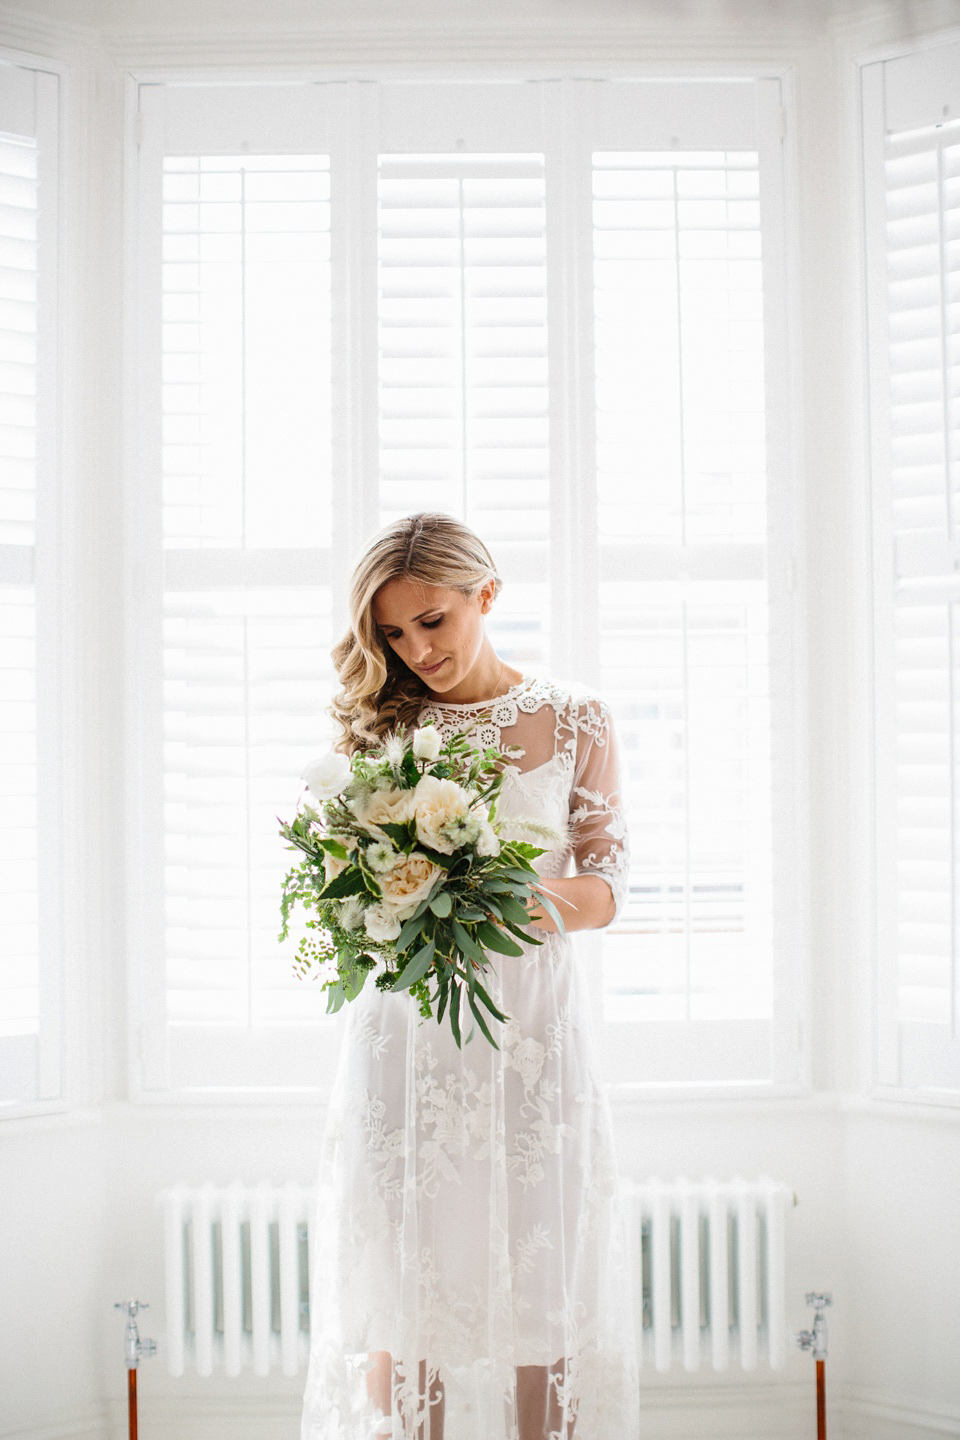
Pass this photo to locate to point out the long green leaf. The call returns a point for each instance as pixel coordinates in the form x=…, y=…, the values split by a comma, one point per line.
x=415, y=968
x=455, y=1013
x=513, y=910
x=467, y=945
x=482, y=1023
x=409, y=932
x=526, y=937
x=491, y=937
x=489, y=1003
x=551, y=909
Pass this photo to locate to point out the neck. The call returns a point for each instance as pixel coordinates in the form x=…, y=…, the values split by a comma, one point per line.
x=489, y=677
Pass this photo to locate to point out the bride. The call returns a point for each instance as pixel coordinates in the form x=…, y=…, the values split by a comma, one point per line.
x=469, y=1266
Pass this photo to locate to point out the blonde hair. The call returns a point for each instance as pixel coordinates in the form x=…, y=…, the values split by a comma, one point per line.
x=379, y=692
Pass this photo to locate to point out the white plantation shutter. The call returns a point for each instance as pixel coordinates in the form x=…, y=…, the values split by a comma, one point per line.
x=551, y=314
x=238, y=291
x=29, y=950
x=913, y=212
x=683, y=520
x=463, y=365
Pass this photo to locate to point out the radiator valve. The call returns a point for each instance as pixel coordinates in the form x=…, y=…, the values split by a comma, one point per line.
x=135, y=1349
x=816, y=1339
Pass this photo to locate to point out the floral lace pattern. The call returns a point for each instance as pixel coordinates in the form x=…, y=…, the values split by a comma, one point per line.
x=468, y=1221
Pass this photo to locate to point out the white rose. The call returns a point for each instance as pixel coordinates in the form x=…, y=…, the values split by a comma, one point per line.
x=409, y=882
x=387, y=807
x=327, y=776
x=381, y=923
x=437, y=803
x=427, y=743
x=487, y=841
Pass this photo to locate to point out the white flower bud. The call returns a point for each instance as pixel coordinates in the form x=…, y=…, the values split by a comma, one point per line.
x=427, y=743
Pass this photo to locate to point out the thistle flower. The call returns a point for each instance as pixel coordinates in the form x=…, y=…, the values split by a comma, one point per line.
x=351, y=912
x=394, y=748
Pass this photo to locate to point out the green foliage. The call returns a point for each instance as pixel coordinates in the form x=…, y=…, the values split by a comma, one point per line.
x=476, y=908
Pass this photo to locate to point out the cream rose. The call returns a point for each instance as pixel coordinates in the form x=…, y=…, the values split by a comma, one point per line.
x=332, y=864
x=388, y=807
x=437, y=803
x=409, y=882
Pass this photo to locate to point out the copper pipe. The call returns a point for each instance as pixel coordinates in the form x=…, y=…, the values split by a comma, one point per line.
x=821, y=1400
x=132, y=1403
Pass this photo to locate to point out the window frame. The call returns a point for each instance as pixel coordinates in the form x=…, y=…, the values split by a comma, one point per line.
x=356, y=449
x=886, y=1078
x=46, y=566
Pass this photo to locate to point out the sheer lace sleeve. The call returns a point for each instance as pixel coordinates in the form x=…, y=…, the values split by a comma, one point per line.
x=597, y=820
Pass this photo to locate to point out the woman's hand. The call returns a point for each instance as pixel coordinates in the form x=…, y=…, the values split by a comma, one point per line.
x=585, y=902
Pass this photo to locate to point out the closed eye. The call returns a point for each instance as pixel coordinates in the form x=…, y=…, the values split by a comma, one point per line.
x=427, y=625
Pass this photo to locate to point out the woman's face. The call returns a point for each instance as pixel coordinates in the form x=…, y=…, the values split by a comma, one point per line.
x=437, y=633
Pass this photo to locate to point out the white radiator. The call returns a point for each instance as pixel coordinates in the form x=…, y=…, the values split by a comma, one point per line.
x=707, y=1272
x=237, y=1277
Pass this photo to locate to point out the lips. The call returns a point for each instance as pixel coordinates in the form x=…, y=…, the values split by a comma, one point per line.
x=431, y=669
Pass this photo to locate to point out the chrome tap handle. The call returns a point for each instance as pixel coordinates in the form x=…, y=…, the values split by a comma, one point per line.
x=816, y=1339
x=134, y=1348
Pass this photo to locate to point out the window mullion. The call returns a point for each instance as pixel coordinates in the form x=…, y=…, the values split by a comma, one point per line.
x=573, y=491
x=354, y=300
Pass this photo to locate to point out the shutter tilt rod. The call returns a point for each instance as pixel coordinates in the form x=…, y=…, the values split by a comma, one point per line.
x=135, y=1349
x=816, y=1340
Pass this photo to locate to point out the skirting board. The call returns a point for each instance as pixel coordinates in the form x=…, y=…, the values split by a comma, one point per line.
x=681, y=1412
x=761, y=1411
x=868, y=1415
x=94, y=1425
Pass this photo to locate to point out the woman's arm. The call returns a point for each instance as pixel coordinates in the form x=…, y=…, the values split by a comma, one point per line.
x=590, y=899
x=585, y=902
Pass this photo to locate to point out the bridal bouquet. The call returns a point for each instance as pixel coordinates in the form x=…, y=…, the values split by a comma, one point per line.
x=408, y=871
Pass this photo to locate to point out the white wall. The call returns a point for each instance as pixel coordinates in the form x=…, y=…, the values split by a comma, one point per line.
x=875, y=1184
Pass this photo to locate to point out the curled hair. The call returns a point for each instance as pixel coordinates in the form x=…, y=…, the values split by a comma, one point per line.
x=379, y=692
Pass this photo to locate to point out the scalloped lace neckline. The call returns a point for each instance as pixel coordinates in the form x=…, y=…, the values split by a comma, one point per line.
x=510, y=694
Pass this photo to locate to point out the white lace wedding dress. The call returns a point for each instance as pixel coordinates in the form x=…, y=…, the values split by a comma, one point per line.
x=468, y=1222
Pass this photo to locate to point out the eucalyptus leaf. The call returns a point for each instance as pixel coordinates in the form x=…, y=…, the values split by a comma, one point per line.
x=492, y=937
x=482, y=1023
x=455, y=1013
x=467, y=945
x=415, y=968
